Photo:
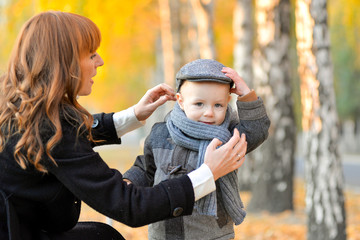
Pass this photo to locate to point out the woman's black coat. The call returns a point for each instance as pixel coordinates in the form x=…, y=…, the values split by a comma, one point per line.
x=51, y=202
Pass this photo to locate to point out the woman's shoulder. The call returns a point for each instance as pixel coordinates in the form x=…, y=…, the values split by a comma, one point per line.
x=68, y=123
x=70, y=117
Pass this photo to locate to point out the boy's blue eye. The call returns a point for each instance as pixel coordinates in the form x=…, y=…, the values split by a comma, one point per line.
x=218, y=105
x=198, y=104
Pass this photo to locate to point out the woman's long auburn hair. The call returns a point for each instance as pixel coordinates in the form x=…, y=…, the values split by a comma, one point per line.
x=42, y=82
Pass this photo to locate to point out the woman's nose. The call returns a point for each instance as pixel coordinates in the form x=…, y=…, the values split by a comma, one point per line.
x=99, y=61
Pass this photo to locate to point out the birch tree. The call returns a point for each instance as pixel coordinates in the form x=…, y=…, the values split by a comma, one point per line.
x=244, y=36
x=168, y=50
x=204, y=14
x=323, y=169
x=186, y=28
x=274, y=160
x=186, y=33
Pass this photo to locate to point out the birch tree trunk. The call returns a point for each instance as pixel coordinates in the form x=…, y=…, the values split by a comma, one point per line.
x=274, y=160
x=204, y=14
x=186, y=34
x=323, y=168
x=243, y=49
x=169, y=56
x=244, y=36
x=167, y=41
x=166, y=54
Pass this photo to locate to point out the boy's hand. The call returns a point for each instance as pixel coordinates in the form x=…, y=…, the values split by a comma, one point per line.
x=241, y=87
x=127, y=181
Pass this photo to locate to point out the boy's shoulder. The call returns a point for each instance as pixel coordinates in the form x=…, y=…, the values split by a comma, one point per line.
x=159, y=127
x=159, y=130
x=159, y=136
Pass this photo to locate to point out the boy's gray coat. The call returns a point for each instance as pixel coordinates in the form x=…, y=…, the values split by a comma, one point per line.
x=163, y=160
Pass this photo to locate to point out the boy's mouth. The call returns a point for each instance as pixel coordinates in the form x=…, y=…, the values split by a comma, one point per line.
x=209, y=123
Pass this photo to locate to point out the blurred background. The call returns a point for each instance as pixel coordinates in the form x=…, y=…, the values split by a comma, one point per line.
x=301, y=57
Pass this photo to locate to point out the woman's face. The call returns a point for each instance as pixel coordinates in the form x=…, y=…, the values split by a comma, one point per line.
x=88, y=64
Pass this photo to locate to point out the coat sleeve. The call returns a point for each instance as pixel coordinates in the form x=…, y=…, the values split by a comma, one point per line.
x=89, y=178
x=254, y=122
x=142, y=173
x=103, y=130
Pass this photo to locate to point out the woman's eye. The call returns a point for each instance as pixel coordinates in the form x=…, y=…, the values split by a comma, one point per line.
x=93, y=56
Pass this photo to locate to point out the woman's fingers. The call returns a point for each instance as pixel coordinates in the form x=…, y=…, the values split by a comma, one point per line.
x=162, y=90
x=224, y=159
x=241, y=147
x=168, y=90
x=152, y=99
x=234, y=140
x=214, y=144
x=160, y=94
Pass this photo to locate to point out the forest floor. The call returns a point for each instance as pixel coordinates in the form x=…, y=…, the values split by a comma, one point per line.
x=289, y=225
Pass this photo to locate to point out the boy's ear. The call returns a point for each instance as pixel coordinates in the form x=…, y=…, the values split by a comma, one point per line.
x=180, y=100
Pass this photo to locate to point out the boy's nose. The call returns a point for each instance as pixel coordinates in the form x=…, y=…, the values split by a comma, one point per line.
x=209, y=111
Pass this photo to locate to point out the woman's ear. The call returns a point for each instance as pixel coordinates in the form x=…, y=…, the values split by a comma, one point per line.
x=180, y=100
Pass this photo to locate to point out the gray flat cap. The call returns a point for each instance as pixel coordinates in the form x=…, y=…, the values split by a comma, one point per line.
x=202, y=70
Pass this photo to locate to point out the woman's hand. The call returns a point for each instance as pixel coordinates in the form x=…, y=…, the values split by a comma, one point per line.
x=152, y=99
x=226, y=158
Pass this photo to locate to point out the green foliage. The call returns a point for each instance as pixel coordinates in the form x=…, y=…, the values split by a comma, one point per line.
x=344, y=22
x=347, y=84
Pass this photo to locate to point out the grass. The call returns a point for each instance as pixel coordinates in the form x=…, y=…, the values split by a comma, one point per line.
x=289, y=225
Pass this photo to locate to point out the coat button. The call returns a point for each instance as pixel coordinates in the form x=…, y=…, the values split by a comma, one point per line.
x=178, y=211
x=95, y=124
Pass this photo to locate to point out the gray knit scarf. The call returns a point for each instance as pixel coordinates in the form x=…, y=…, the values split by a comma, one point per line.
x=197, y=136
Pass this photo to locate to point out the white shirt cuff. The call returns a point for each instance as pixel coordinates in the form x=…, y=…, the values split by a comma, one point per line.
x=125, y=121
x=202, y=180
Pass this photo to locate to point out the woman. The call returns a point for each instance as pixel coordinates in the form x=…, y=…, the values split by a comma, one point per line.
x=47, y=164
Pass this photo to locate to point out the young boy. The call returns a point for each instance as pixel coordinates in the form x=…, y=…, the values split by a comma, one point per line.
x=177, y=147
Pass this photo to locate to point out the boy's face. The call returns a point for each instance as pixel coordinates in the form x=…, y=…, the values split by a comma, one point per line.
x=204, y=102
